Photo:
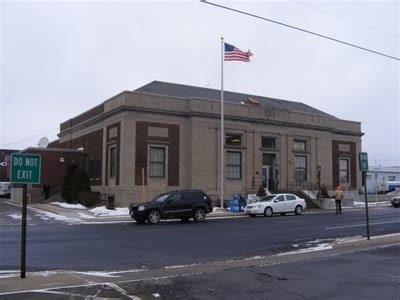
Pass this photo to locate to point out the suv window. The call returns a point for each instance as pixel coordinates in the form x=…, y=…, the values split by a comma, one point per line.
x=187, y=197
x=175, y=198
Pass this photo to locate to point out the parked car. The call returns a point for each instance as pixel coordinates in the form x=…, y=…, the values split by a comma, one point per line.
x=276, y=203
x=183, y=204
x=5, y=188
x=395, y=201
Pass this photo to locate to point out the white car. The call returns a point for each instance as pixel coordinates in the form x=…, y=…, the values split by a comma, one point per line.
x=276, y=204
x=5, y=188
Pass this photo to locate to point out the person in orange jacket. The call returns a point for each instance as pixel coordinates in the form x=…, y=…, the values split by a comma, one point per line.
x=338, y=199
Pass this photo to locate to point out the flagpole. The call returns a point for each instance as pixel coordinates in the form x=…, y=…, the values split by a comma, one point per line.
x=222, y=123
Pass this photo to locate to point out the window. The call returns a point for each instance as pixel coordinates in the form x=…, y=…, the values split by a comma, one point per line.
x=97, y=171
x=233, y=140
x=300, y=145
x=300, y=168
x=233, y=165
x=290, y=197
x=268, y=143
x=112, y=161
x=391, y=178
x=157, y=162
x=280, y=198
x=344, y=170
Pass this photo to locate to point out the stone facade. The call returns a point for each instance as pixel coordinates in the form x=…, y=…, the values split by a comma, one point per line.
x=189, y=131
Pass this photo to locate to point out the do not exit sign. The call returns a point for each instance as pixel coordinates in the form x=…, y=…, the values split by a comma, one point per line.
x=25, y=168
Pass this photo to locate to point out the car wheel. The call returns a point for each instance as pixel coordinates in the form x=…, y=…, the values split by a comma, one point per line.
x=140, y=221
x=298, y=210
x=283, y=214
x=154, y=217
x=185, y=220
x=268, y=212
x=199, y=215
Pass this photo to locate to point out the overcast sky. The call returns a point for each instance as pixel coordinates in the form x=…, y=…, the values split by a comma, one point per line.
x=60, y=59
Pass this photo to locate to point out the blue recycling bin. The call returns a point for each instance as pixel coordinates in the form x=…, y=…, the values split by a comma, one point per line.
x=234, y=203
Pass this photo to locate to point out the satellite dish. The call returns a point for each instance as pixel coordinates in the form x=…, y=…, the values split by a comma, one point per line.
x=43, y=142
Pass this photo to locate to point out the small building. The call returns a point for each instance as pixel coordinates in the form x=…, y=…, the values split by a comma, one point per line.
x=54, y=166
x=5, y=158
x=377, y=177
x=167, y=137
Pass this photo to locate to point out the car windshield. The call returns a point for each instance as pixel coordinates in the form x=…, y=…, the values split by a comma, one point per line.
x=161, y=198
x=267, y=198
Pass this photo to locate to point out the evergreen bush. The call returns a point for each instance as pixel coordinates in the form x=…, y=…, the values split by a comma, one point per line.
x=80, y=183
x=66, y=189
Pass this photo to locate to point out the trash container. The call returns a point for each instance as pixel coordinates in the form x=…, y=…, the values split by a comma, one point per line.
x=234, y=203
x=110, y=202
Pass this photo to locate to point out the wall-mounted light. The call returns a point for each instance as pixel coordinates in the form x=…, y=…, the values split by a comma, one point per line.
x=61, y=159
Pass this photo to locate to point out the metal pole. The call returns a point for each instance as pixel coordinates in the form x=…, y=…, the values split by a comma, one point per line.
x=222, y=123
x=23, y=232
x=366, y=202
x=144, y=198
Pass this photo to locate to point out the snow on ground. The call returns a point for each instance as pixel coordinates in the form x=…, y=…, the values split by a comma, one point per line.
x=98, y=274
x=361, y=203
x=102, y=211
x=15, y=216
x=69, y=206
x=46, y=215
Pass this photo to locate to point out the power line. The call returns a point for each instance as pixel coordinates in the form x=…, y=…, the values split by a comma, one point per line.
x=347, y=19
x=27, y=139
x=300, y=29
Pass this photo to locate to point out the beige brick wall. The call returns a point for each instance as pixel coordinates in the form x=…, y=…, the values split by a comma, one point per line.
x=200, y=141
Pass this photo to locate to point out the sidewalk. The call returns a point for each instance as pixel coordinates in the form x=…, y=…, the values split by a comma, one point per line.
x=80, y=214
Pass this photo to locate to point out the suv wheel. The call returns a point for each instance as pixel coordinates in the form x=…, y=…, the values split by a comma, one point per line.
x=199, y=215
x=154, y=217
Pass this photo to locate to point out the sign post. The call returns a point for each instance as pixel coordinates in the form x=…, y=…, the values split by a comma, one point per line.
x=363, y=161
x=25, y=169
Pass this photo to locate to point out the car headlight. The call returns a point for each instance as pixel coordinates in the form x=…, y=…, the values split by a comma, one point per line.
x=141, y=208
x=258, y=205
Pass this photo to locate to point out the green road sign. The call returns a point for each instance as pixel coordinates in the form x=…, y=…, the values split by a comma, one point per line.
x=363, y=157
x=25, y=168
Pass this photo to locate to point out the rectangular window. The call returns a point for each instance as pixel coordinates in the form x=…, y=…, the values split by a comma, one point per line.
x=112, y=161
x=233, y=165
x=233, y=140
x=157, y=162
x=391, y=178
x=97, y=173
x=268, y=143
x=300, y=168
x=344, y=170
x=300, y=145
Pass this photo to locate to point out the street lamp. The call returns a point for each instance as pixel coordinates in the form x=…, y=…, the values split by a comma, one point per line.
x=319, y=180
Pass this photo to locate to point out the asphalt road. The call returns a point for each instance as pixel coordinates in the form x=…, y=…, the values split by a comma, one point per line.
x=128, y=246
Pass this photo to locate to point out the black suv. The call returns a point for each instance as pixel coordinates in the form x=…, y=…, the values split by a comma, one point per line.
x=184, y=204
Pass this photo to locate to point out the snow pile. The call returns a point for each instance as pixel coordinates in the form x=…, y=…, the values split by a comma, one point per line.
x=45, y=215
x=102, y=211
x=69, y=206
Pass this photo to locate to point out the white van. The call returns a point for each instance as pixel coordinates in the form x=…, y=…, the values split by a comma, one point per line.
x=5, y=188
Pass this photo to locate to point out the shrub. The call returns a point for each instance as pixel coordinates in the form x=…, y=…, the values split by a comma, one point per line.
x=80, y=183
x=66, y=189
x=89, y=199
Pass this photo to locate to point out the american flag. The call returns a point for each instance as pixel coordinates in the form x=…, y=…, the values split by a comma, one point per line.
x=233, y=53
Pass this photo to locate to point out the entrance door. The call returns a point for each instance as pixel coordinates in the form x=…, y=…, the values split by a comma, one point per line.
x=265, y=176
